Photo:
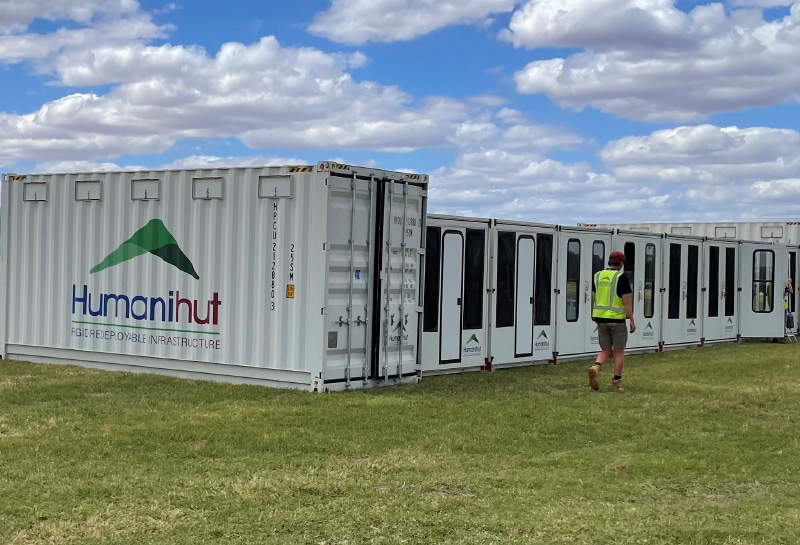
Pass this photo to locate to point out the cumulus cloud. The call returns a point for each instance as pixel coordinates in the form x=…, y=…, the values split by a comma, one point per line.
x=706, y=154
x=689, y=173
x=362, y=21
x=93, y=23
x=189, y=162
x=18, y=14
x=648, y=60
x=264, y=94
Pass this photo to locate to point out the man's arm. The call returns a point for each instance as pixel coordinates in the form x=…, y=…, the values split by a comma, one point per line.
x=628, y=304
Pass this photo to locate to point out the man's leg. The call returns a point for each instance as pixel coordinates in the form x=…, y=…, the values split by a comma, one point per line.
x=620, y=342
x=605, y=353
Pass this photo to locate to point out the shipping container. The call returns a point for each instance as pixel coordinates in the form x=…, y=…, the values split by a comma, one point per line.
x=305, y=277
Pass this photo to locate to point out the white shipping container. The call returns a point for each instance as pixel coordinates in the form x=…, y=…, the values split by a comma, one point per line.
x=304, y=277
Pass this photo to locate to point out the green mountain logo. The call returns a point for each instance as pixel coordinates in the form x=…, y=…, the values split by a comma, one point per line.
x=153, y=238
x=730, y=321
x=398, y=326
x=542, y=334
x=473, y=339
x=692, y=323
x=649, y=326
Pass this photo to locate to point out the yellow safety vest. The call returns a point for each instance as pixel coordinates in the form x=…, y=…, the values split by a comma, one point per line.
x=607, y=304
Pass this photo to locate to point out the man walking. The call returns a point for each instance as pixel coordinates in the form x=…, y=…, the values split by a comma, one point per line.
x=612, y=305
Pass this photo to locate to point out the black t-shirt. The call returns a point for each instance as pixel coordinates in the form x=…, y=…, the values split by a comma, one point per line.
x=623, y=288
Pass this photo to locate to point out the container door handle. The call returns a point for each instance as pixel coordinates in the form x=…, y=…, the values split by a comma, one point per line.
x=458, y=301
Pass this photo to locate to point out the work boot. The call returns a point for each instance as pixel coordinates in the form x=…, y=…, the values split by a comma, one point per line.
x=594, y=370
x=616, y=385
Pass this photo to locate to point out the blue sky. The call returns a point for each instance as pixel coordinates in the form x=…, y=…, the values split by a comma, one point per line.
x=544, y=110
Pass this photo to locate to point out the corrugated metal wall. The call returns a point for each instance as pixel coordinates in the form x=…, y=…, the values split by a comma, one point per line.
x=53, y=245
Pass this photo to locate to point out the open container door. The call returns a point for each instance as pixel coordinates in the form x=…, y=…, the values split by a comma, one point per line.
x=764, y=274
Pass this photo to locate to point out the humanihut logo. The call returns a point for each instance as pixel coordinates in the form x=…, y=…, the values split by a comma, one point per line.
x=153, y=238
x=692, y=329
x=472, y=346
x=138, y=312
x=648, y=332
x=729, y=325
x=542, y=341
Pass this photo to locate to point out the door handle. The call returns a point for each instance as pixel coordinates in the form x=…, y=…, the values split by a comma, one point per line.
x=458, y=301
x=531, y=299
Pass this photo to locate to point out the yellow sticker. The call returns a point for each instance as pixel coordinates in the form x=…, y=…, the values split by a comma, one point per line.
x=290, y=291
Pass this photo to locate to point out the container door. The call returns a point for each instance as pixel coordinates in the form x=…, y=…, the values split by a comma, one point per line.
x=452, y=293
x=396, y=313
x=350, y=229
x=641, y=255
x=764, y=272
x=682, y=267
x=793, y=297
x=580, y=255
x=719, y=318
x=572, y=283
x=475, y=300
x=712, y=284
x=524, y=303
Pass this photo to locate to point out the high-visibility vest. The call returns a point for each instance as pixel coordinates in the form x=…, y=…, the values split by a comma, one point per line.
x=607, y=304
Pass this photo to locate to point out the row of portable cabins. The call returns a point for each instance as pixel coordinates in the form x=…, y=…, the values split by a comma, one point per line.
x=311, y=277
x=779, y=232
x=502, y=293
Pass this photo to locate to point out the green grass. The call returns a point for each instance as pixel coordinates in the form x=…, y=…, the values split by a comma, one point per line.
x=703, y=447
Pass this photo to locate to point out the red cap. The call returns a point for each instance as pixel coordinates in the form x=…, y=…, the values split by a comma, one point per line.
x=616, y=256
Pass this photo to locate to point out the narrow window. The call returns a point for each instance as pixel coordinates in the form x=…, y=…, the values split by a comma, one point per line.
x=506, y=272
x=630, y=262
x=433, y=239
x=649, y=280
x=713, y=282
x=674, y=310
x=730, y=281
x=573, y=279
x=793, y=276
x=544, y=280
x=763, y=281
x=692, y=281
x=598, y=257
x=473, y=279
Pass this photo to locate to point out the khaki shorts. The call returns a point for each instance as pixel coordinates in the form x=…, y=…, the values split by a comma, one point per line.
x=613, y=335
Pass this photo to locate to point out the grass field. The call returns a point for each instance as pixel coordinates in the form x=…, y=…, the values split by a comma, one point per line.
x=702, y=447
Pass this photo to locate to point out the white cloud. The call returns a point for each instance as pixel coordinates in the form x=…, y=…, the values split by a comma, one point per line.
x=264, y=94
x=189, y=162
x=16, y=15
x=762, y=3
x=362, y=21
x=706, y=154
x=17, y=48
x=648, y=60
x=212, y=161
x=683, y=174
